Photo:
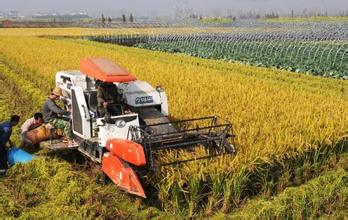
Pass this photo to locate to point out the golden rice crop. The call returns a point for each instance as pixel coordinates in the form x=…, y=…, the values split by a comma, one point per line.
x=270, y=115
x=274, y=112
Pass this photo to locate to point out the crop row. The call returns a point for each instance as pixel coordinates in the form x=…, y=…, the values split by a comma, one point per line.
x=318, y=59
x=316, y=53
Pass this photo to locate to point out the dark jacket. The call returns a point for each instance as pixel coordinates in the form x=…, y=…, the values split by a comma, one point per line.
x=5, y=132
x=107, y=92
x=51, y=110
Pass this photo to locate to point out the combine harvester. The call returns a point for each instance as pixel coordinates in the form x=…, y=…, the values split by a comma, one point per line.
x=132, y=141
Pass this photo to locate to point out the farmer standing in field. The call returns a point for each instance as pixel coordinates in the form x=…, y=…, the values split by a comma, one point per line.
x=5, y=134
x=29, y=125
x=50, y=113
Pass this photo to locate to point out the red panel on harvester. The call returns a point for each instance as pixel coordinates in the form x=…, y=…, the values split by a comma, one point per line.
x=105, y=70
x=127, y=150
x=122, y=174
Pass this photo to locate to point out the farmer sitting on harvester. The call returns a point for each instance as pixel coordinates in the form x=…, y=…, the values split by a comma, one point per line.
x=108, y=98
x=50, y=115
x=29, y=125
x=5, y=134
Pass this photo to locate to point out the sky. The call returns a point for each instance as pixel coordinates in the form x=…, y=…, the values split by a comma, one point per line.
x=169, y=7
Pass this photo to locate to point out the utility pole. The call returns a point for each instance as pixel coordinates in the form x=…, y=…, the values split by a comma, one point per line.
x=131, y=19
x=103, y=19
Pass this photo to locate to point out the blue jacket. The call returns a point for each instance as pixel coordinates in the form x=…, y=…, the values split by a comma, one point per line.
x=5, y=132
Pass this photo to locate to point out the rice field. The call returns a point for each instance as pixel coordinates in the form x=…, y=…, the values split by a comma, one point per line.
x=290, y=128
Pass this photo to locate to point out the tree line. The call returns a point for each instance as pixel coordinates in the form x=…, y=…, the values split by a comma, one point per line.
x=105, y=20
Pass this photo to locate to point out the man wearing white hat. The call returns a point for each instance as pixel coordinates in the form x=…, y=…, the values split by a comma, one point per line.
x=50, y=113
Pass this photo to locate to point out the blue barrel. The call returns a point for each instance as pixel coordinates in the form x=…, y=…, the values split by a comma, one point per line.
x=17, y=155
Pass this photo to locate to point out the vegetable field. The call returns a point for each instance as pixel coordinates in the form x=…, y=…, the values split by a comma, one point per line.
x=291, y=128
x=320, y=49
